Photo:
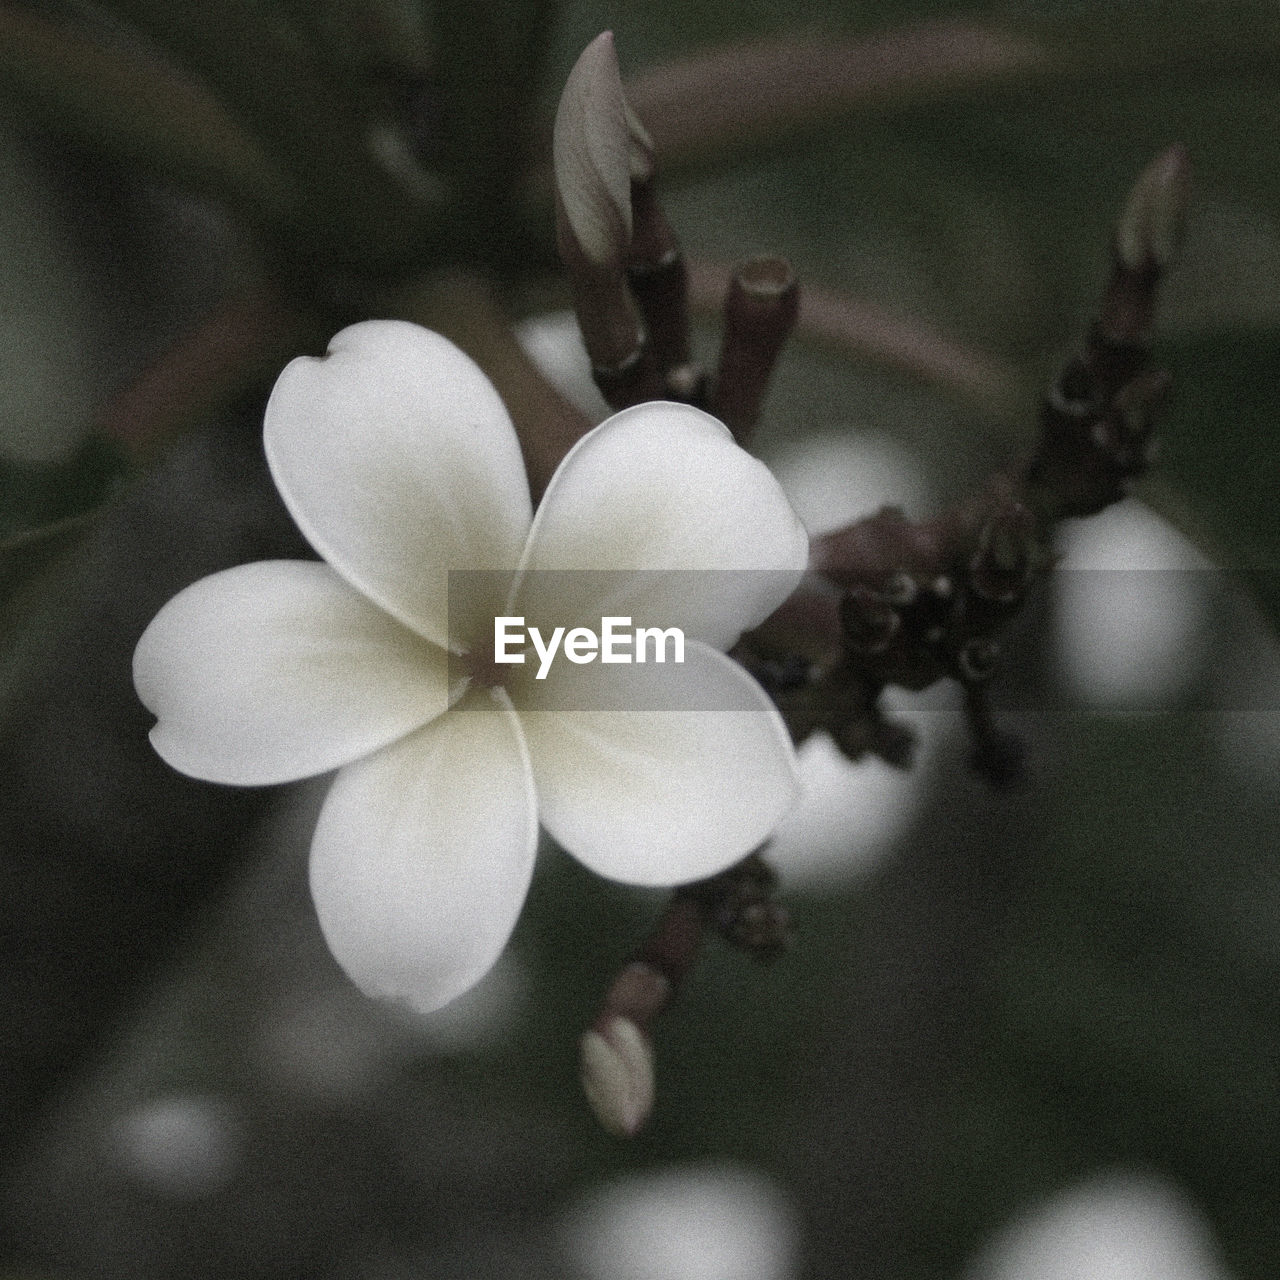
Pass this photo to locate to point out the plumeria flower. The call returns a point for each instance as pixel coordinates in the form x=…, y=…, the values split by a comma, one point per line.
x=399, y=463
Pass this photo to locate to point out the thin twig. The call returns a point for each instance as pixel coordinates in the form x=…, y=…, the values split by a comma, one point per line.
x=734, y=92
x=616, y=1052
x=867, y=332
x=242, y=342
x=761, y=90
x=926, y=600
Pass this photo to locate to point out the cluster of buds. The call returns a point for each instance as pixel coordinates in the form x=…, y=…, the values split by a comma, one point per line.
x=1098, y=417
x=888, y=602
x=628, y=275
x=892, y=601
x=914, y=603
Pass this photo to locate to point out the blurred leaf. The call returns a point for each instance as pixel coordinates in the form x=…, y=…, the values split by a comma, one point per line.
x=485, y=140
x=45, y=511
x=36, y=495
x=270, y=74
x=25, y=555
x=116, y=99
x=1221, y=450
x=1137, y=983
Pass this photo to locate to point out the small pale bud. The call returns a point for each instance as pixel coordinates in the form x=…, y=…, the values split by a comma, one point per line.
x=592, y=148
x=977, y=660
x=617, y=1076
x=1150, y=228
x=870, y=624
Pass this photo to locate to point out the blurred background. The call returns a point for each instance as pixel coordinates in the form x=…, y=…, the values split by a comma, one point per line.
x=1019, y=1034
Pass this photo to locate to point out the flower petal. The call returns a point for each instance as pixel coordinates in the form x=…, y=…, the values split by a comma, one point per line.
x=423, y=854
x=689, y=780
x=663, y=488
x=398, y=461
x=278, y=670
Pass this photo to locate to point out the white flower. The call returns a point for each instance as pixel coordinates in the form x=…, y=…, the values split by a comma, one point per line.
x=399, y=463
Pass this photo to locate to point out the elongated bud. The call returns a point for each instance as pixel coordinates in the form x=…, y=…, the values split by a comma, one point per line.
x=617, y=1075
x=592, y=148
x=1150, y=228
x=593, y=145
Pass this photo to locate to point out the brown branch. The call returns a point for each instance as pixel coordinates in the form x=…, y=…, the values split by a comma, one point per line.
x=732, y=93
x=744, y=92
x=760, y=311
x=244, y=341
x=919, y=601
x=616, y=1052
x=868, y=332
x=659, y=279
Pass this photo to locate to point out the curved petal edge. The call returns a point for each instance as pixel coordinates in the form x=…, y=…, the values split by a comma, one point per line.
x=423, y=854
x=279, y=670
x=663, y=796
x=398, y=461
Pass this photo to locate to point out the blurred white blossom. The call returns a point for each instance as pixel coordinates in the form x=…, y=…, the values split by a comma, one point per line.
x=852, y=812
x=836, y=478
x=1132, y=599
x=185, y=1146
x=554, y=343
x=701, y=1222
x=1117, y=1226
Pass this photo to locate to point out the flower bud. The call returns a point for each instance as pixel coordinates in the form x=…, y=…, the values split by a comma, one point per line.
x=1139, y=401
x=977, y=660
x=617, y=1076
x=593, y=152
x=870, y=623
x=760, y=312
x=1150, y=228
